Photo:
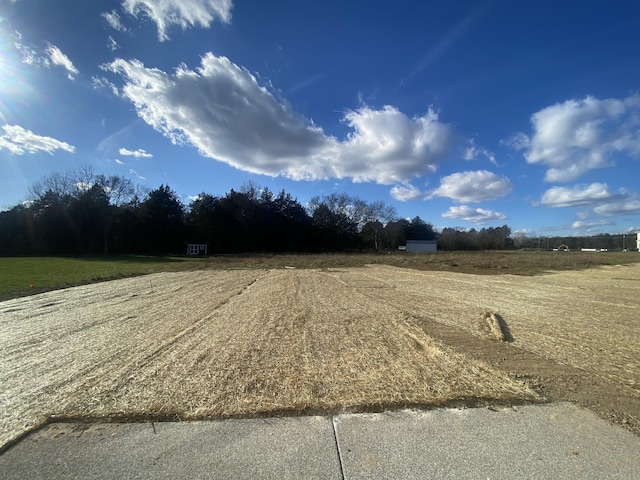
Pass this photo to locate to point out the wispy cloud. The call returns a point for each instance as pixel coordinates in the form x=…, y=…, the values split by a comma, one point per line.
x=112, y=44
x=139, y=153
x=184, y=13
x=56, y=57
x=29, y=54
x=103, y=83
x=628, y=205
x=472, y=152
x=138, y=176
x=587, y=225
x=309, y=81
x=51, y=55
x=450, y=39
x=19, y=141
x=113, y=20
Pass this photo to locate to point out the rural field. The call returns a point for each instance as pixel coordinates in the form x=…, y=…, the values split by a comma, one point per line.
x=212, y=343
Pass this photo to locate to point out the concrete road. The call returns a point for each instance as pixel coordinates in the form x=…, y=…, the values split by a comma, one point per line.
x=544, y=441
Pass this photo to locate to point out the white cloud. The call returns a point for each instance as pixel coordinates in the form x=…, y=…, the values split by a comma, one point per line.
x=406, y=192
x=56, y=57
x=473, y=151
x=576, y=136
x=112, y=44
x=517, y=141
x=388, y=147
x=19, y=140
x=118, y=161
x=101, y=82
x=51, y=55
x=475, y=186
x=582, y=225
x=478, y=216
x=113, y=20
x=29, y=55
x=222, y=110
x=594, y=195
x=625, y=206
x=139, y=153
x=576, y=196
x=185, y=13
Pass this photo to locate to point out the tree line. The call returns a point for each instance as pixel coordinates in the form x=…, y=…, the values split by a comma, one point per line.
x=600, y=241
x=83, y=213
x=80, y=212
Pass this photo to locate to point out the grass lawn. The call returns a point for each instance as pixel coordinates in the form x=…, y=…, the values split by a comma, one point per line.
x=25, y=275
x=515, y=262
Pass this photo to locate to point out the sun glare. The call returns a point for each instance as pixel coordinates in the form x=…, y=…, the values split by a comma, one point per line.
x=14, y=86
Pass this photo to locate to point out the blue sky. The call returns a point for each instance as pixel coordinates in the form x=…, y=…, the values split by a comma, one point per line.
x=469, y=114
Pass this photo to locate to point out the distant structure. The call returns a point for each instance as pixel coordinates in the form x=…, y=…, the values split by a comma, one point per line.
x=638, y=241
x=197, y=249
x=422, y=246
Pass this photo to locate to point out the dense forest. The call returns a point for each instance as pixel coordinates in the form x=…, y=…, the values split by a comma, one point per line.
x=81, y=213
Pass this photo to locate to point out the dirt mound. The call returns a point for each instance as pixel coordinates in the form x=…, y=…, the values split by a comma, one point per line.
x=493, y=325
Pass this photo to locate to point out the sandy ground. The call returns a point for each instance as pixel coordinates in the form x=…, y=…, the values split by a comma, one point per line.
x=589, y=319
x=223, y=343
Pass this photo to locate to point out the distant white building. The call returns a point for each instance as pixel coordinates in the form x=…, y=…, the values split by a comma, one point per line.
x=422, y=246
x=638, y=241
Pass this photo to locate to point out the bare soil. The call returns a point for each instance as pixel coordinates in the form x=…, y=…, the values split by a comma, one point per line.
x=210, y=344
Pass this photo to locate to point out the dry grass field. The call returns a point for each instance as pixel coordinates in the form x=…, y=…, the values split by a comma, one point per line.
x=219, y=343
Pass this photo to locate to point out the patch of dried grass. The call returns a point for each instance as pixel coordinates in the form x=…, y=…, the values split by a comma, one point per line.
x=217, y=344
x=586, y=319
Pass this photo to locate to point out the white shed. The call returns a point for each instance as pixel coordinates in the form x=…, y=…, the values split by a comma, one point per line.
x=197, y=249
x=422, y=245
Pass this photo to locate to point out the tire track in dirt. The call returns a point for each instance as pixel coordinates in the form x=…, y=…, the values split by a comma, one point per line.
x=379, y=357
x=552, y=380
x=558, y=316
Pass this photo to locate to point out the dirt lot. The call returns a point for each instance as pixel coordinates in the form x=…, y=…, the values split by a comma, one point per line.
x=224, y=343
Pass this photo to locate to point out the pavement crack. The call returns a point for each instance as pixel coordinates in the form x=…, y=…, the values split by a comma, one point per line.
x=335, y=439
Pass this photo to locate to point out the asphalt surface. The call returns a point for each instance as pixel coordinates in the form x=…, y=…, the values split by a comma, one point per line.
x=544, y=441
